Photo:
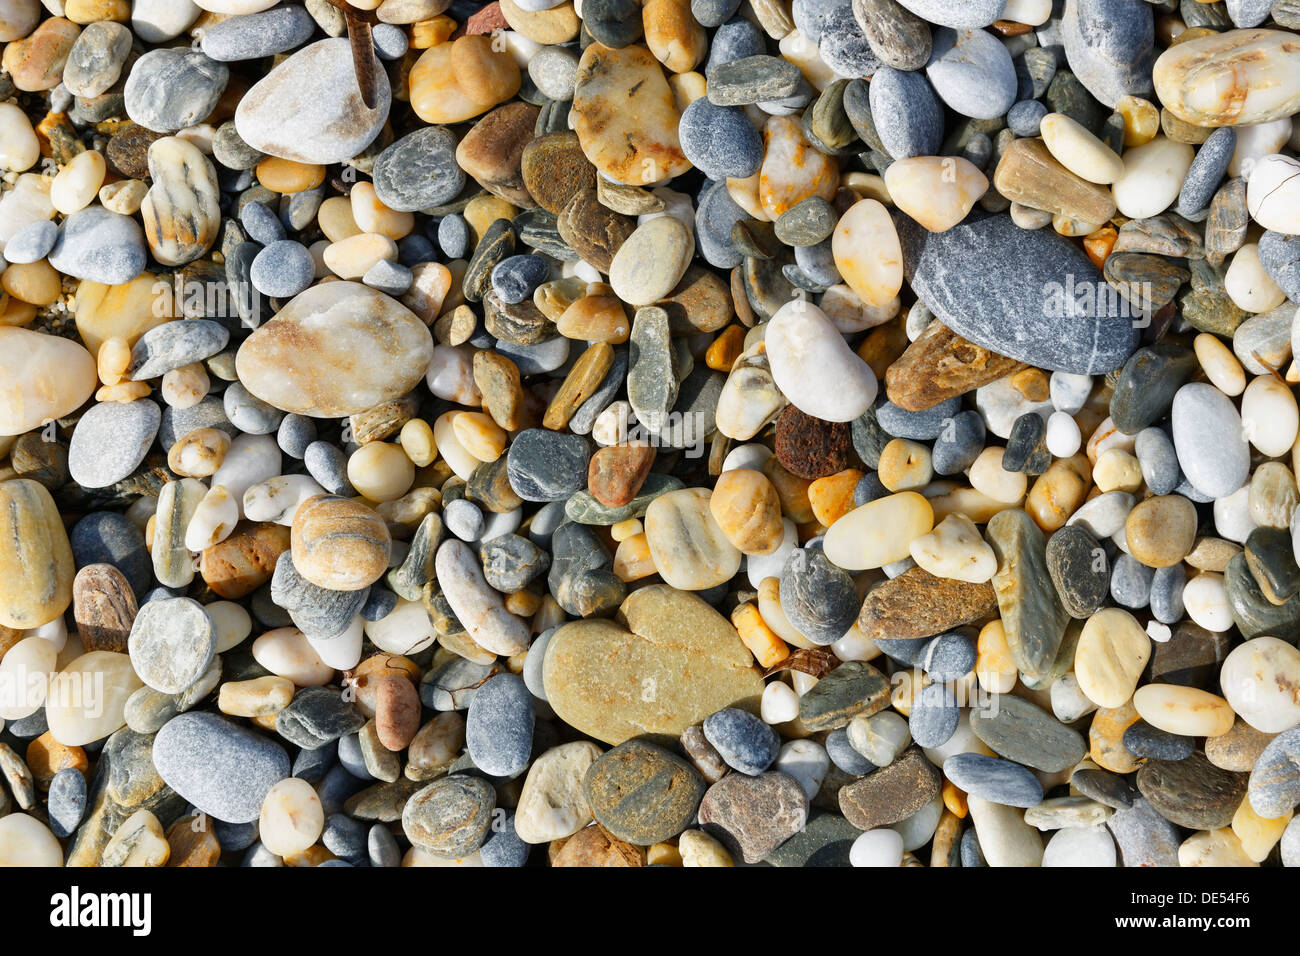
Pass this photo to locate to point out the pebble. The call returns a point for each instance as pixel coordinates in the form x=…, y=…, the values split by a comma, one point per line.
x=100, y=246
x=168, y=89
x=996, y=781
x=971, y=72
x=222, y=769
x=111, y=440
x=172, y=643
x=499, y=727
x=255, y=35
x=753, y=815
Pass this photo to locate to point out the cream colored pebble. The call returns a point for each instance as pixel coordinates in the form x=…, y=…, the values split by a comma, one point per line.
x=988, y=477
x=292, y=817
x=699, y=849
x=19, y=147
x=416, y=439
x=138, y=841
x=77, y=183
x=200, y=453
x=335, y=219
x=479, y=435
x=373, y=216
x=113, y=360
x=1221, y=366
x=1117, y=470
x=259, y=697
x=353, y=257
x=381, y=471
x=626, y=529
x=186, y=386
x=213, y=520
x=123, y=197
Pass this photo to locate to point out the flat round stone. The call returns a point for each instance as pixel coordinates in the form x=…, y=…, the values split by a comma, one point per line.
x=172, y=643
x=111, y=440
x=1018, y=730
x=642, y=793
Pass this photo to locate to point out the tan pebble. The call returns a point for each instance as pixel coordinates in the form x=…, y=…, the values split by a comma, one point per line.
x=747, y=509
x=1221, y=366
x=255, y=698
x=199, y=453
x=994, y=666
x=1058, y=492
x=1161, y=530
x=124, y=196
x=381, y=471
x=122, y=392
x=335, y=219
x=479, y=435
x=35, y=64
x=186, y=386
x=697, y=848
x=1188, y=711
x=456, y=81
x=905, y=465
x=292, y=817
x=673, y=35
x=77, y=183
x=353, y=257
x=1117, y=470
x=138, y=841
x=37, y=283
x=36, y=579
x=1112, y=651
x=988, y=477
x=371, y=215
x=416, y=439
x=128, y=310
x=431, y=283
x=113, y=360
x=1106, y=738
x=286, y=176
x=338, y=543
x=793, y=170
x=1141, y=120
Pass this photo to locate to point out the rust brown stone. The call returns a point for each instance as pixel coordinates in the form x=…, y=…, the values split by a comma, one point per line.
x=242, y=563
x=497, y=378
x=617, y=472
x=104, y=607
x=941, y=364
x=492, y=150
x=554, y=168
x=810, y=447
x=918, y=604
x=1029, y=174
x=595, y=846
x=397, y=710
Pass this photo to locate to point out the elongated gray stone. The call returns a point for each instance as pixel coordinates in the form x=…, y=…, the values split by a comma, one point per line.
x=1018, y=730
x=223, y=769
x=1032, y=613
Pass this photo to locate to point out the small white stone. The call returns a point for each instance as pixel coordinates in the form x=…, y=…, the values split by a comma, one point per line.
x=1081, y=846
x=1232, y=516
x=806, y=761
x=1256, y=141
x=250, y=459
x=1248, y=285
x=1080, y=151
x=1273, y=193
x=19, y=148
x=286, y=652
x=882, y=847
x=779, y=703
x=342, y=652
x=1153, y=174
x=477, y=606
x=1206, y=601
x=25, y=673
x=292, y=817
x=747, y=456
x=26, y=841
x=213, y=520
x=1259, y=680
x=1063, y=438
x=1270, y=416
x=814, y=367
x=1069, y=391
x=278, y=499
x=233, y=624
x=880, y=738
x=1069, y=703
x=406, y=629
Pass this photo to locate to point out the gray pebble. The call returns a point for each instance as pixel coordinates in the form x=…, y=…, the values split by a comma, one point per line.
x=317, y=716
x=819, y=598
x=172, y=643
x=391, y=278
x=283, y=269
x=111, y=440
x=499, y=726
x=329, y=466
x=543, y=465
x=844, y=756
x=1024, y=117
x=169, y=89
x=224, y=769
x=1130, y=582
x=249, y=413
x=419, y=171
x=32, y=243
x=261, y=223
x=100, y=245
x=295, y=435
x=993, y=779
x=742, y=740
x=67, y=801
x=972, y=72
x=173, y=344
x=463, y=518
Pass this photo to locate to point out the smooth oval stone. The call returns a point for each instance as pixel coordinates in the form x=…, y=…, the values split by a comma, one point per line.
x=499, y=726
x=892, y=793
x=1274, y=782
x=182, y=210
x=172, y=643
x=42, y=377
x=1079, y=569
x=255, y=35
x=173, y=345
x=1192, y=793
x=907, y=116
x=419, y=171
x=170, y=89
x=675, y=662
x=335, y=350
x=1234, y=78
x=35, y=578
x=992, y=779
x=338, y=543
x=100, y=246
x=819, y=598
x=972, y=73
x=969, y=15
x=688, y=548
x=543, y=465
x=1257, y=680
x=77, y=717
x=1018, y=730
x=935, y=715
x=1109, y=46
x=1252, y=611
x=625, y=115
x=720, y=140
x=309, y=108
x=642, y=793
x=96, y=59
x=477, y=606
x=743, y=741
x=111, y=440
x=1147, y=384
x=813, y=366
x=853, y=689
x=450, y=817
x=1143, y=740
x=221, y=768
x=1003, y=309
x=1212, y=450
x=1032, y=612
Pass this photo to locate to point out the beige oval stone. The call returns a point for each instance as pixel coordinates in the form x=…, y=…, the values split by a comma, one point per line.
x=125, y=311
x=626, y=117
x=1112, y=652
x=336, y=349
x=36, y=575
x=87, y=699
x=1235, y=78
x=669, y=662
x=689, y=549
x=1188, y=711
x=936, y=191
x=553, y=803
x=338, y=543
x=879, y=532
x=867, y=252
x=746, y=507
x=42, y=377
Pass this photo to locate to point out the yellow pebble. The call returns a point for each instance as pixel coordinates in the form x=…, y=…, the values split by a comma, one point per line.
x=113, y=359
x=1141, y=120
x=954, y=800
x=429, y=33
x=994, y=668
x=485, y=209
x=286, y=176
x=416, y=439
x=1221, y=366
x=697, y=848
x=762, y=641
x=1258, y=835
x=479, y=435
x=904, y=466
x=36, y=283
x=1117, y=470
x=371, y=215
x=725, y=349
x=523, y=603
x=632, y=560
x=626, y=529
x=381, y=471
x=14, y=311
x=664, y=854
x=122, y=392
x=351, y=258
x=907, y=684
x=336, y=220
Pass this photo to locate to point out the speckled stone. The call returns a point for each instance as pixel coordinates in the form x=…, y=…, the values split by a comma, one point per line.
x=992, y=779
x=499, y=727
x=223, y=769
x=111, y=440
x=642, y=793
x=852, y=689
x=1192, y=793
x=752, y=816
x=450, y=817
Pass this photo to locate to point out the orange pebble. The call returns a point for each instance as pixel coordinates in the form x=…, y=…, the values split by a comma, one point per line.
x=831, y=497
x=725, y=349
x=1098, y=244
x=762, y=641
x=286, y=176
x=192, y=843
x=429, y=33
x=954, y=799
x=632, y=560
x=46, y=757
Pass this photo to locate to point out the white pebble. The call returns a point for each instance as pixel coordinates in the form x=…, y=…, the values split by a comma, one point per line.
x=779, y=703
x=1063, y=437
x=877, y=848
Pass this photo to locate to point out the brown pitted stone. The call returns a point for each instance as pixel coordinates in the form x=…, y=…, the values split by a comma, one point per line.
x=1192, y=793
x=243, y=562
x=616, y=472
x=554, y=168
x=892, y=793
x=592, y=230
x=642, y=793
x=595, y=846
x=492, y=150
x=752, y=816
x=853, y=689
x=104, y=607
x=941, y=365
x=1238, y=749
x=810, y=447
x=918, y=604
x=339, y=543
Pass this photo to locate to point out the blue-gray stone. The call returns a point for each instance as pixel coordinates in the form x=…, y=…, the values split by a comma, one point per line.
x=346, y=838
x=101, y=246
x=172, y=88
x=972, y=72
x=994, y=779
x=817, y=262
x=174, y=344
x=511, y=562
x=282, y=269
x=1130, y=582
x=742, y=740
x=1143, y=740
x=415, y=249
x=391, y=278
x=1167, y=594
x=295, y=435
x=463, y=518
x=1018, y=730
x=959, y=443
x=543, y=465
x=818, y=597
x=1207, y=171
x=905, y=650
x=318, y=716
x=222, y=768
x=934, y=715
x=515, y=277
x=350, y=757
x=1158, y=460
x=379, y=603
x=329, y=466
x=107, y=537
x=499, y=726
x=382, y=848
x=532, y=672
x=948, y=657
x=261, y=223
x=390, y=41
x=318, y=612
x=1011, y=310
x=713, y=13
x=720, y=140
x=32, y=243
x=1025, y=117
x=844, y=756
x=111, y=440
x=971, y=854
x=868, y=488
x=844, y=46
x=1274, y=786
x=255, y=35
x=906, y=114
x=503, y=848
x=419, y=171
x=969, y=14
x=337, y=787
x=453, y=684
x=312, y=765
x=249, y=413
x=67, y=801
x=454, y=236
x=715, y=214
x=924, y=425
x=234, y=836
x=536, y=359
x=734, y=40
x=1110, y=46
x=1280, y=256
